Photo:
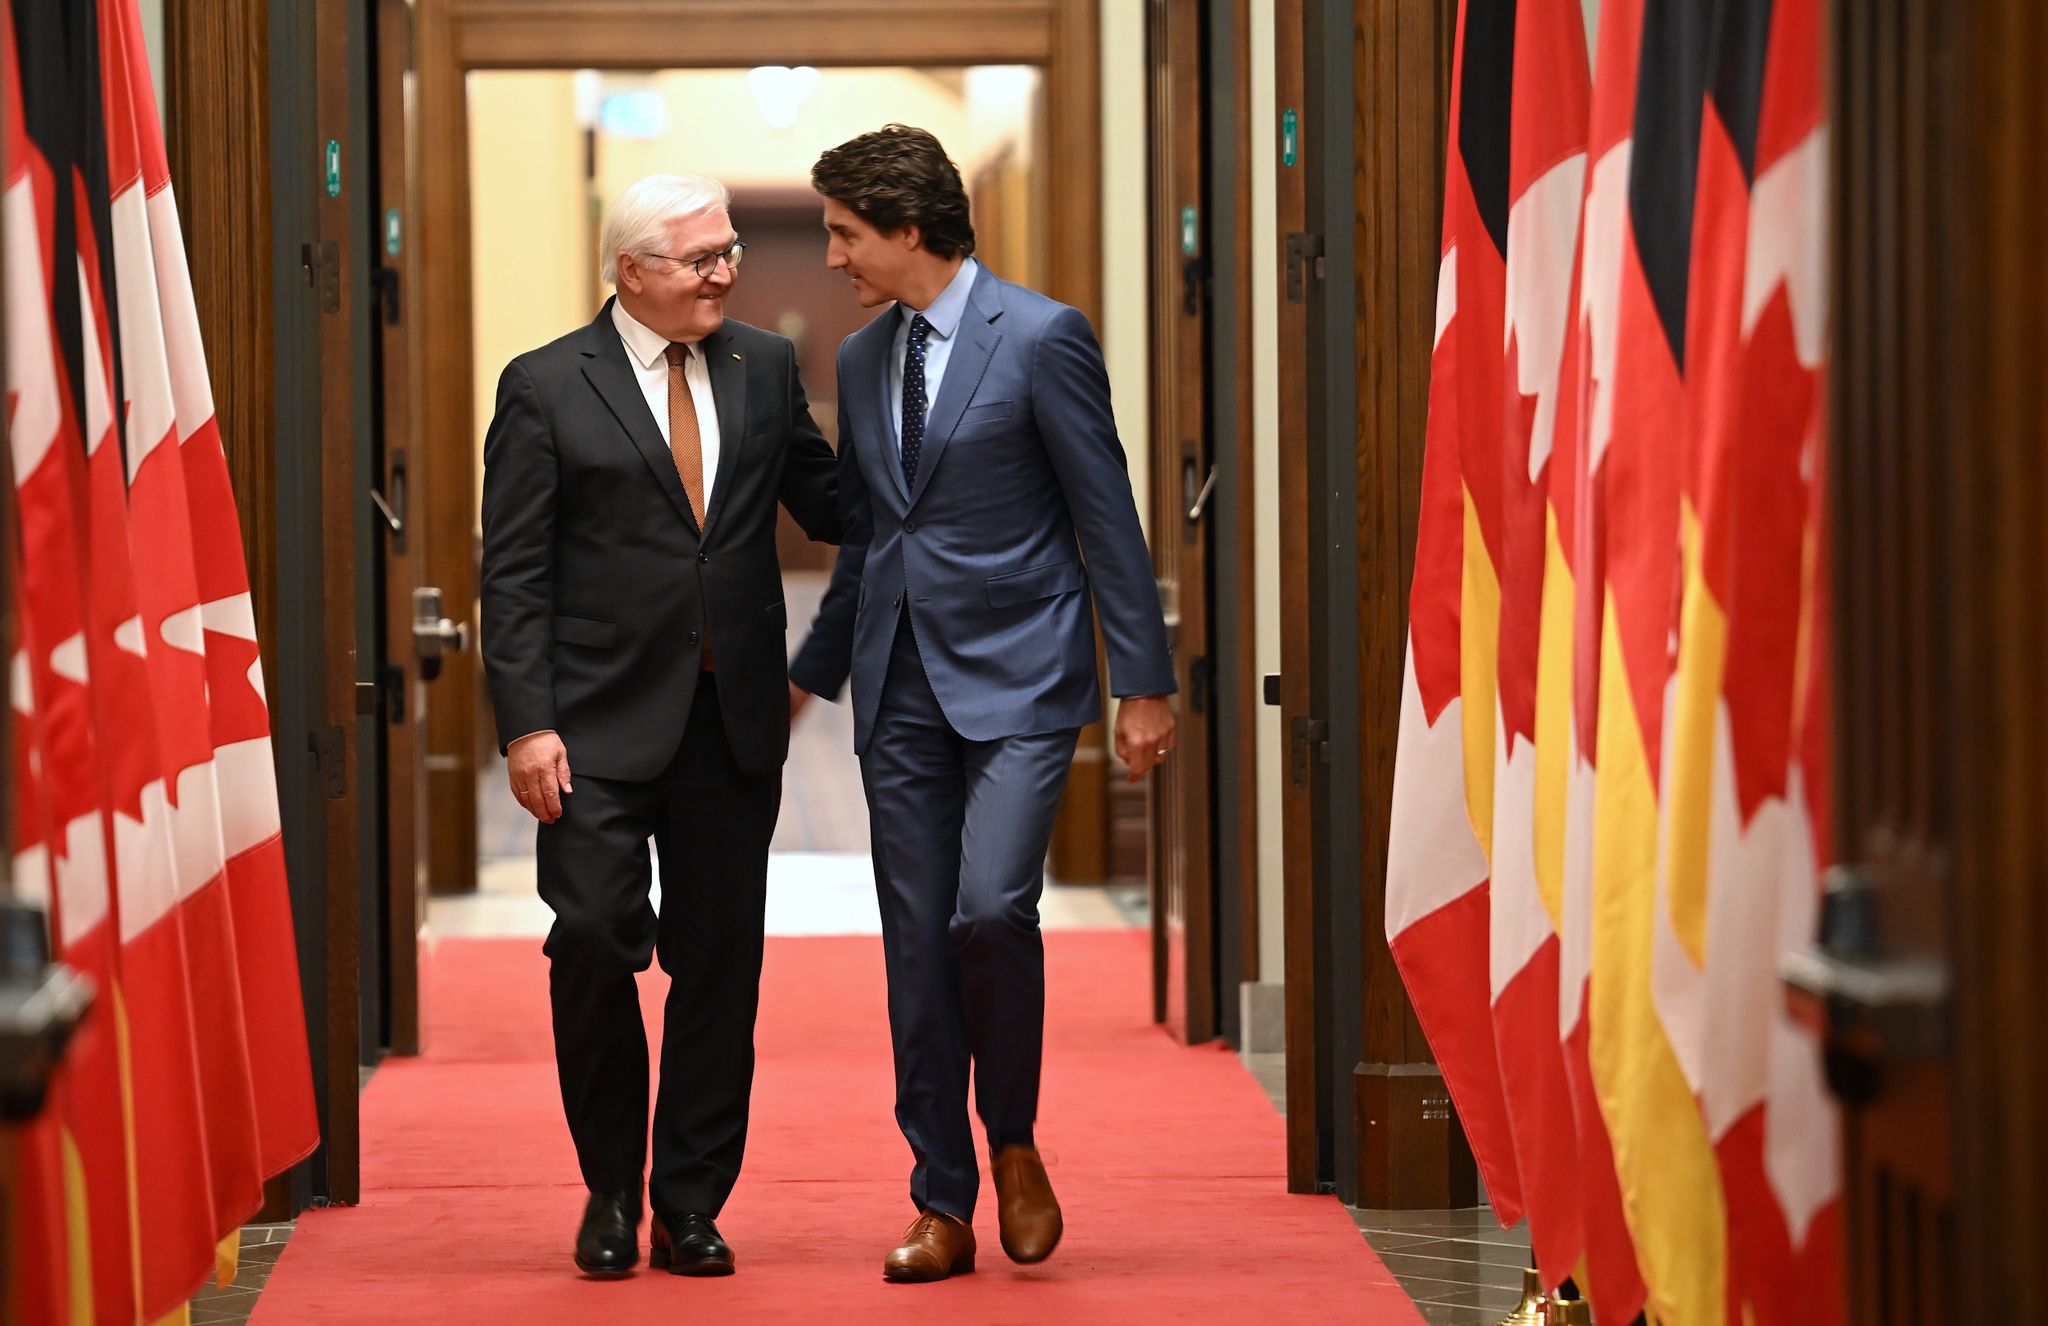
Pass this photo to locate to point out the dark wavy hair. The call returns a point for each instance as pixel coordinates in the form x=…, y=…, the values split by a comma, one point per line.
x=898, y=176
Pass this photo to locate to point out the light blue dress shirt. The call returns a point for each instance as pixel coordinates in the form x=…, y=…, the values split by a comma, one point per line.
x=944, y=315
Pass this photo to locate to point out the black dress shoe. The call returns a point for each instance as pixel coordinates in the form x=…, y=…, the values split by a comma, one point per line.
x=689, y=1244
x=608, y=1244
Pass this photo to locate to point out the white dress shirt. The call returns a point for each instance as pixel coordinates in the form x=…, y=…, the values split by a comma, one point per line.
x=944, y=315
x=647, y=352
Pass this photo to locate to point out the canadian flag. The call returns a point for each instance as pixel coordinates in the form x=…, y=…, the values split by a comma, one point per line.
x=237, y=725
x=139, y=694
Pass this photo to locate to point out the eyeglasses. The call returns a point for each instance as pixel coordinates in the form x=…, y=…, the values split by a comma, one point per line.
x=705, y=264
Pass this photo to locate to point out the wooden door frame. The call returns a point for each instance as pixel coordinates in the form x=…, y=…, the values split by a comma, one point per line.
x=402, y=694
x=456, y=37
x=1182, y=834
x=1234, y=586
x=1297, y=819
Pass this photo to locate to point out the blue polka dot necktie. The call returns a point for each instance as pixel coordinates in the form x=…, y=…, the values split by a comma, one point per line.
x=913, y=398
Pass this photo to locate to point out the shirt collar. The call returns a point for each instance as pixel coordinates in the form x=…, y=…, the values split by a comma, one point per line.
x=946, y=311
x=646, y=345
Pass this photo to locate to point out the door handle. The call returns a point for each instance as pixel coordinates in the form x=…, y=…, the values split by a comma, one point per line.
x=1169, y=608
x=1201, y=503
x=393, y=510
x=434, y=637
x=1875, y=1004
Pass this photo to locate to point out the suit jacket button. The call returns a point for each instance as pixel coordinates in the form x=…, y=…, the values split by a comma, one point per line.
x=703, y=557
x=693, y=637
x=898, y=603
x=910, y=527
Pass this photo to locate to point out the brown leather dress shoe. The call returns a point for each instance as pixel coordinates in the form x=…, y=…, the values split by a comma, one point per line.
x=934, y=1247
x=1029, y=1214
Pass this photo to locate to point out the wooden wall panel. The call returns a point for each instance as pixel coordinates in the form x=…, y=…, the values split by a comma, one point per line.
x=1938, y=470
x=446, y=455
x=1409, y=1150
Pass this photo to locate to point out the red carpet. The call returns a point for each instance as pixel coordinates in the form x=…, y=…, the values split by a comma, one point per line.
x=1168, y=1162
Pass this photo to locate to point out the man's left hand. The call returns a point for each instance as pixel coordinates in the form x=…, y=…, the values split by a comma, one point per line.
x=1144, y=733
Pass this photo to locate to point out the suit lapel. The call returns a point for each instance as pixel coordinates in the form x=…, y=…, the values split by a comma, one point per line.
x=609, y=372
x=869, y=363
x=729, y=393
x=964, y=370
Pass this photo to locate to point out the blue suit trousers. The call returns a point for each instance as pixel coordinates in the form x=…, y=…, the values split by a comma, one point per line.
x=960, y=834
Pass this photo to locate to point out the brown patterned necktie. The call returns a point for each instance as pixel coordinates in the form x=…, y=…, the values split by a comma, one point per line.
x=686, y=444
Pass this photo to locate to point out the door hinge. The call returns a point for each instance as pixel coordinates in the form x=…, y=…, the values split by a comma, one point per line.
x=1201, y=683
x=1304, y=260
x=1194, y=286
x=1311, y=737
x=329, y=747
x=391, y=681
x=384, y=284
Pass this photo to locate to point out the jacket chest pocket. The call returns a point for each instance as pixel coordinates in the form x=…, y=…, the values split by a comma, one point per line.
x=985, y=418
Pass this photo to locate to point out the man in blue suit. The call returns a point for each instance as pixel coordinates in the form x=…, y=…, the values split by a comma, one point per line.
x=988, y=517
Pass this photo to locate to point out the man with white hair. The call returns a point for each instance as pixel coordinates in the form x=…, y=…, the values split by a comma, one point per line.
x=633, y=630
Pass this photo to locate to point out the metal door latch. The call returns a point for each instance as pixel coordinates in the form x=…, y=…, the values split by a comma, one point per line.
x=434, y=637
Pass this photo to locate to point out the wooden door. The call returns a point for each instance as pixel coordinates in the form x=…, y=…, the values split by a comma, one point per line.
x=337, y=752
x=1299, y=270
x=402, y=691
x=1183, y=909
x=1928, y=970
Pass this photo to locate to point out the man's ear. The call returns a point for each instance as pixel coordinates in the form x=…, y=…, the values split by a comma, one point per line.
x=629, y=273
x=910, y=237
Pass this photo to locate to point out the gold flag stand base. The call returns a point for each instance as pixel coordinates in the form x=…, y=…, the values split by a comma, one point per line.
x=1530, y=1311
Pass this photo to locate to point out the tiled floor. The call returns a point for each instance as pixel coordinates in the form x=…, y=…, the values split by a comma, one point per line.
x=220, y=1306
x=1460, y=1267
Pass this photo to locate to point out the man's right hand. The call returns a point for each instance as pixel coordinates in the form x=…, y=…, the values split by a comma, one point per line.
x=798, y=698
x=538, y=765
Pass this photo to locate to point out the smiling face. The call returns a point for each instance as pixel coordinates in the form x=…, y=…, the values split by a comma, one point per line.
x=883, y=265
x=669, y=297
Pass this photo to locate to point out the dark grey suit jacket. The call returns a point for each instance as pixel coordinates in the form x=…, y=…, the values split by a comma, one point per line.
x=597, y=581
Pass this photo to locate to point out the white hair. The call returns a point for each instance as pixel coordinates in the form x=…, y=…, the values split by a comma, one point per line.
x=637, y=220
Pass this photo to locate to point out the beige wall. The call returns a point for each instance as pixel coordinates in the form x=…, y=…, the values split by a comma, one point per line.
x=1266, y=482
x=716, y=129
x=1126, y=319
x=530, y=245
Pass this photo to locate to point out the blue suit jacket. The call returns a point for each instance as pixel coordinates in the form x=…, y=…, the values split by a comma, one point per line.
x=1021, y=477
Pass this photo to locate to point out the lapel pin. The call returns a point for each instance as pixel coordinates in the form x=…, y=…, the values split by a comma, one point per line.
x=735, y=354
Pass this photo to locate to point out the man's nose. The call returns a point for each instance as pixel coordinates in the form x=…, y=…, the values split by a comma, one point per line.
x=835, y=258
